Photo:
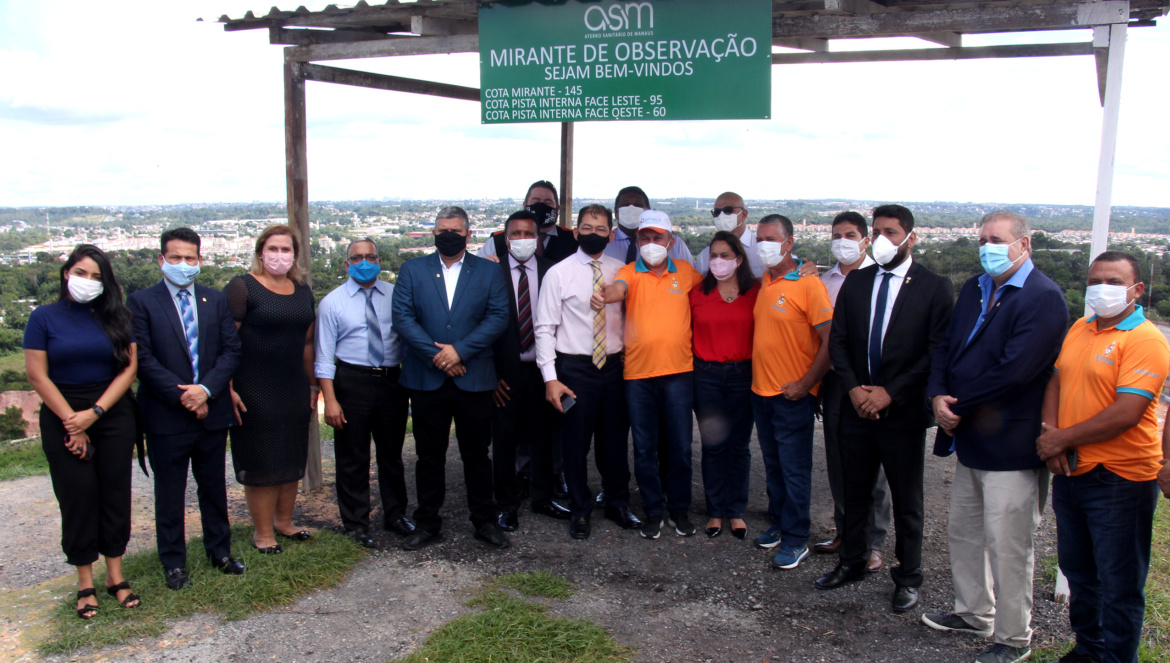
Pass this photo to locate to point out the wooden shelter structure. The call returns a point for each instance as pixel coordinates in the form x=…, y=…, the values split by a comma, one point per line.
x=398, y=28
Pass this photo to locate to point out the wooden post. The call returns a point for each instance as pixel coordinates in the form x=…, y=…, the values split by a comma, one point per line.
x=296, y=164
x=1104, y=203
x=567, y=174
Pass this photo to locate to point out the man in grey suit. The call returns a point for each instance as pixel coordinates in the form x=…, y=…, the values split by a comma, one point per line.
x=449, y=307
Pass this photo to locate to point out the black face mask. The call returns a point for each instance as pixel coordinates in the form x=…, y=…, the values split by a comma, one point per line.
x=450, y=243
x=545, y=214
x=593, y=243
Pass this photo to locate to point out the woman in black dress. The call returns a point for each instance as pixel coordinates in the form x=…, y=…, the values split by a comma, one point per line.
x=274, y=391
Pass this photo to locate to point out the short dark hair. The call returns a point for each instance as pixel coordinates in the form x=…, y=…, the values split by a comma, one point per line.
x=904, y=216
x=854, y=218
x=542, y=184
x=743, y=273
x=631, y=190
x=1118, y=256
x=785, y=223
x=182, y=234
x=524, y=215
x=596, y=210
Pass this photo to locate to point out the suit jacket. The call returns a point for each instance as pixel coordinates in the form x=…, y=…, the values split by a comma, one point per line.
x=560, y=246
x=1000, y=376
x=506, y=349
x=475, y=320
x=918, y=323
x=164, y=361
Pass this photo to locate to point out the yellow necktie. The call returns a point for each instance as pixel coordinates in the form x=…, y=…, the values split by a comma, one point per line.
x=598, y=320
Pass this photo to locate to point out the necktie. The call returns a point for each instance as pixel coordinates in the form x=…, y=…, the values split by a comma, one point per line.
x=524, y=306
x=598, y=320
x=875, y=334
x=540, y=244
x=631, y=250
x=190, y=331
x=373, y=330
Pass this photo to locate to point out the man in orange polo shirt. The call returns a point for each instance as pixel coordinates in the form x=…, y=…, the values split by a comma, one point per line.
x=790, y=354
x=1100, y=439
x=658, y=369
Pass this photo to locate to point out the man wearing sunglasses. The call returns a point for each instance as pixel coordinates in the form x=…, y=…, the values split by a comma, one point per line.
x=730, y=215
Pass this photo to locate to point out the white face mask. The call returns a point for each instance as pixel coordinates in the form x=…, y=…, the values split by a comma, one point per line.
x=653, y=254
x=726, y=222
x=848, y=251
x=522, y=249
x=1106, y=300
x=771, y=253
x=884, y=250
x=83, y=290
x=628, y=216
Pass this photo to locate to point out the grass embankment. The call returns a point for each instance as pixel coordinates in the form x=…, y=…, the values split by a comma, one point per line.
x=271, y=581
x=22, y=458
x=509, y=628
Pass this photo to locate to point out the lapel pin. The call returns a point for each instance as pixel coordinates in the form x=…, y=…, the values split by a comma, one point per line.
x=204, y=300
x=908, y=279
x=437, y=276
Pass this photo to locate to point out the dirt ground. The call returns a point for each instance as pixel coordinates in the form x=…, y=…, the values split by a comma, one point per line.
x=675, y=599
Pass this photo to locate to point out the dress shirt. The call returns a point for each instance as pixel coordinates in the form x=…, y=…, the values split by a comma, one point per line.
x=533, y=296
x=986, y=285
x=899, y=276
x=451, y=277
x=341, y=328
x=833, y=279
x=749, y=246
x=190, y=288
x=564, y=321
x=621, y=244
x=489, y=247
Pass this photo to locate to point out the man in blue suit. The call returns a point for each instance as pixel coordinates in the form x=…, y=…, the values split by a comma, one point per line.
x=188, y=351
x=986, y=387
x=449, y=307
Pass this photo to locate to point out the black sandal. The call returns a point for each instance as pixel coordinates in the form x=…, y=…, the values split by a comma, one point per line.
x=130, y=598
x=87, y=611
x=302, y=535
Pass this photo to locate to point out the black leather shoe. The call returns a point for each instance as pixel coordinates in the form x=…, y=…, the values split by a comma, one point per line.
x=551, y=509
x=300, y=535
x=493, y=535
x=270, y=550
x=560, y=487
x=509, y=520
x=905, y=598
x=419, y=538
x=362, y=538
x=229, y=566
x=579, y=527
x=600, y=500
x=177, y=578
x=400, y=525
x=623, y=517
x=840, y=575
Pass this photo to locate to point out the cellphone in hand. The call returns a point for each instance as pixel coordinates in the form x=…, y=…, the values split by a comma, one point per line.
x=1072, y=460
x=567, y=402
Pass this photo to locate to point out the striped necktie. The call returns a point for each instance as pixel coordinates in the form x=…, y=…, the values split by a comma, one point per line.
x=598, y=320
x=524, y=306
x=190, y=331
x=373, y=331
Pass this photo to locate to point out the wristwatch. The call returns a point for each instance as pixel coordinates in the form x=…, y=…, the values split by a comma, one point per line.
x=99, y=411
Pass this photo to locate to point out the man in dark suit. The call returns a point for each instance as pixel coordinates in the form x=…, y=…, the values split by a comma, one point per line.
x=521, y=413
x=888, y=319
x=188, y=351
x=556, y=242
x=449, y=307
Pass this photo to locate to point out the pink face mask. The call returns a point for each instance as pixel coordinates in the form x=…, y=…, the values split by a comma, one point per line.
x=722, y=268
x=278, y=263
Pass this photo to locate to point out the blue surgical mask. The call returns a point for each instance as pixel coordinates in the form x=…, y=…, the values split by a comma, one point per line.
x=994, y=258
x=365, y=271
x=180, y=273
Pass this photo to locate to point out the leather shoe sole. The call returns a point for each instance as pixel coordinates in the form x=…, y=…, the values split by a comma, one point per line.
x=839, y=576
x=905, y=598
x=420, y=538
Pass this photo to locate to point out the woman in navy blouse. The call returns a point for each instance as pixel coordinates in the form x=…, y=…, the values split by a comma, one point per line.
x=80, y=356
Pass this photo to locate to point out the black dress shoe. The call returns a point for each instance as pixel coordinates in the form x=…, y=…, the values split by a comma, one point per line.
x=560, y=487
x=229, y=566
x=623, y=517
x=270, y=550
x=600, y=500
x=419, y=538
x=579, y=527
x=840, y=575
x=302, y=535
x=905, y=598
x=551, y=509
x=740, y=533
x=509, y=520
x=177, y=578
x=493, y=535
x=362, y=538
x=400, y=525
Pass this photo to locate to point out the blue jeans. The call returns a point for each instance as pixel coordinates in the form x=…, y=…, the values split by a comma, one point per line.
x=724, y=408
x=671, y=397
x=1104, y=524
x=785, y=429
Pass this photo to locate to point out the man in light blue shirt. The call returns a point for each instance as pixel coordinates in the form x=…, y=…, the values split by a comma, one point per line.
x=627, y=208
x=358, y=357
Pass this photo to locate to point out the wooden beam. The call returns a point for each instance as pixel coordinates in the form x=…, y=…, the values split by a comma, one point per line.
x=950, y=39
x=437, y=27
x=383, y=48
x=970, y=53
x=804, y=44
x=567, y=174
x=323, y=74
x=305, y=37
x=854, y=7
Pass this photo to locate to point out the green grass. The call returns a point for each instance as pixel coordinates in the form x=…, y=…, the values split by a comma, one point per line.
x=13, y=362
x=512, y=630
x=271, y=581
x=22, y=458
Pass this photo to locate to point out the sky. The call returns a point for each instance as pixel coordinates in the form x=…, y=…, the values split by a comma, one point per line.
x=134, y=102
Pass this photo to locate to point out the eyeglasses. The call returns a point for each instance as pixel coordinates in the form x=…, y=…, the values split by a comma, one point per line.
x=726, y=209
x=357, y=258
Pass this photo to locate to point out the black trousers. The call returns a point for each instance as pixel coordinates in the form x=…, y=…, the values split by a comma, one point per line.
x=170, y=455
x=372, y=405
x=865, y=446
x=526, y=417
x=601, y=414
x=433, y=412
x=94, y=495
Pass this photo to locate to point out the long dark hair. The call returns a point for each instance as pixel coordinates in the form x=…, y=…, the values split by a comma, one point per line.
x=107, y=309
x=743, y=273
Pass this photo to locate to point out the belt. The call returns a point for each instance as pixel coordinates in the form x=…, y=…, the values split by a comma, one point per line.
x=376, y=371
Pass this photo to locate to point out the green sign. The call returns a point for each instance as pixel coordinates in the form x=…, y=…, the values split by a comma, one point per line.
x=584, y=60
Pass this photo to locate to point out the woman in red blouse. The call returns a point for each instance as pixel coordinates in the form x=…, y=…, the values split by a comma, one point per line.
x=721, y=315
